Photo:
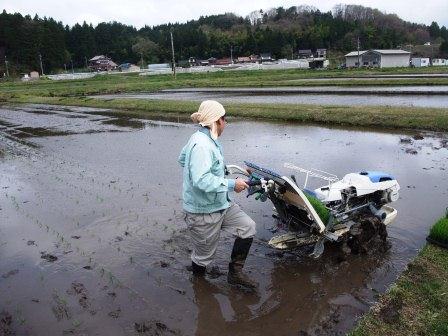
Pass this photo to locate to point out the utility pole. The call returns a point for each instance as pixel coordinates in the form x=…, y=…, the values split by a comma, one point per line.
x=231, y=54
x=71, y=61
x=65, y=67
x=41, y=66
x=141, y=61
x=6, y=65
x=172, y=51
x=359, y=61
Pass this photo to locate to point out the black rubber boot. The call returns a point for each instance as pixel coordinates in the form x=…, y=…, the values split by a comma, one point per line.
x=236, y=276
x=197, y=269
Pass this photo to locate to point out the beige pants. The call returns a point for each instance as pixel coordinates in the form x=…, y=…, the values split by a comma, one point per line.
x=205, y=229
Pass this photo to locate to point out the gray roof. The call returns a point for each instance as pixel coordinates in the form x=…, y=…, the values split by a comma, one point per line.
x=380, y=51
x=355, y=53
x=96, y=58
x=391, y=51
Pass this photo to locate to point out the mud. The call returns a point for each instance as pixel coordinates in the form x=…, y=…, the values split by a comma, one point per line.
x=5, y=324
x=104, y=198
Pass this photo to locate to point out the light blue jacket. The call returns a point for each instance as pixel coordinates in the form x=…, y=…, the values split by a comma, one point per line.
x=205, y=190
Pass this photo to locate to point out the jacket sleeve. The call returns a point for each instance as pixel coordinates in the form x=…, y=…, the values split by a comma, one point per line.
x=181, y=158
x=200, y=171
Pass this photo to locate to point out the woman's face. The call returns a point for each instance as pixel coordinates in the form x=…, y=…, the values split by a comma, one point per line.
x=221, y=123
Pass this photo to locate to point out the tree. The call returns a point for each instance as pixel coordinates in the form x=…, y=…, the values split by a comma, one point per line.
x=147, y=49
x=255, y=17
x=444, y=33
x=434, y=30
x=444, y=49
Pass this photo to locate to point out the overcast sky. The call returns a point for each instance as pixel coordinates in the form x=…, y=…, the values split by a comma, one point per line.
x=152, y=12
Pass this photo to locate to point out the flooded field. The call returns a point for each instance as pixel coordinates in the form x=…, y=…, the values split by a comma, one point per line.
x=421, y=96
x=92, y=238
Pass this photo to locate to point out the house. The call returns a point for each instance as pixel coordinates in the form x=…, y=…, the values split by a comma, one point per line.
x=128, y=67
x=101, y=63
x=419, y=62
x=266, y=57
x=439, y=62
x=34, y=75
x=254, y=58
x=321, y=53
x=378, y=58
x=244, y=59
x=223, y=61
x=305, y=53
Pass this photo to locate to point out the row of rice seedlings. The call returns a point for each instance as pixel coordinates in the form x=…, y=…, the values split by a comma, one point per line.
x=61, y=237
x=59, y=179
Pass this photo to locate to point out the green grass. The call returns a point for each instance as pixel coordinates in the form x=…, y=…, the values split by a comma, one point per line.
x=439, y=232
x=417, y=303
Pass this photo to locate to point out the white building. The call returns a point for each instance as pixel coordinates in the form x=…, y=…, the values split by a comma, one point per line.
x=378, y=58
x=439, y=62
x=419, y=62
x=34, y=75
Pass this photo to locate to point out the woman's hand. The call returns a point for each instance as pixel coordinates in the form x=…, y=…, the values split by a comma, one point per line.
x=240, y=185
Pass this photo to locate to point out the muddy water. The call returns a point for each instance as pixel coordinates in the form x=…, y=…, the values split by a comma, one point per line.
x=102, y=195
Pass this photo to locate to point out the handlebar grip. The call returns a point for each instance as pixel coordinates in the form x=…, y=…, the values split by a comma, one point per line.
x=252, y=183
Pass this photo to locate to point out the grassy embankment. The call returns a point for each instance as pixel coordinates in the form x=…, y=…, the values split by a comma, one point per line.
x=417, y=303
x=75, y=93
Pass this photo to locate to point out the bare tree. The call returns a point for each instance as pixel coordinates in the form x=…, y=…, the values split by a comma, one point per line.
x=255, y=17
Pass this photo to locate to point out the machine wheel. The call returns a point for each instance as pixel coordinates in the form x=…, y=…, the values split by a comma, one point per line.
x=366, y=235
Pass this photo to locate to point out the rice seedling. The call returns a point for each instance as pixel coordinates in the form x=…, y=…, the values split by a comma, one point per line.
x=322, y=211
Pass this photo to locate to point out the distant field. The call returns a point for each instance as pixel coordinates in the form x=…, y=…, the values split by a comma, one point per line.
x=435, y=119
x=75, y=92
x=119, y=83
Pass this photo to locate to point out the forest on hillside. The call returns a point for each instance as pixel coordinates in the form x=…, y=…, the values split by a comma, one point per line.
x=24, y=40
